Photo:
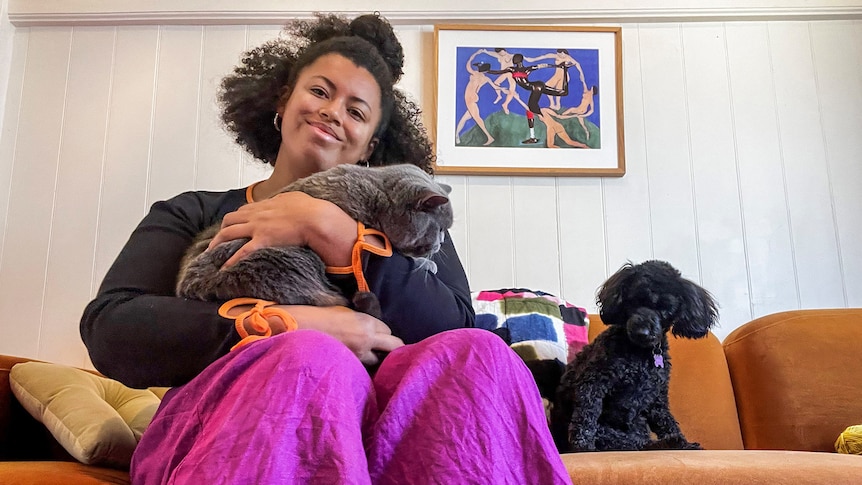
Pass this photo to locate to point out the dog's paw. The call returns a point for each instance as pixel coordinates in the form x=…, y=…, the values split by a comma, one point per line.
x=674, y=442
x=692, y=446
x=579, y=446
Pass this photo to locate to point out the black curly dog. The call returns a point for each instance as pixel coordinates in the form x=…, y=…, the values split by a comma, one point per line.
x=614, y=395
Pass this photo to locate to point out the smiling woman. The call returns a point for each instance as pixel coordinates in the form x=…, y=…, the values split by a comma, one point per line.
x=327, y=119
x=322, y=96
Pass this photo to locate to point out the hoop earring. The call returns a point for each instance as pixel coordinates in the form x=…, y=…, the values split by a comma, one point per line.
x=276, y=122
x=363, y=163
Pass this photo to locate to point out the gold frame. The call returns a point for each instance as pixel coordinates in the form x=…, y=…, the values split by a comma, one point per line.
x=612, y=163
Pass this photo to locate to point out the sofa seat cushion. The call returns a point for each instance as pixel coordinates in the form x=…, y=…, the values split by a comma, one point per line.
x=726, y=467
x=54, y=472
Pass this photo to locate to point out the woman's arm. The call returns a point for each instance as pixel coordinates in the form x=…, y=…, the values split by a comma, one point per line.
x=135, y=329
x=543, y=56
x=139, y=333
x=416, y=303
x=291, y=218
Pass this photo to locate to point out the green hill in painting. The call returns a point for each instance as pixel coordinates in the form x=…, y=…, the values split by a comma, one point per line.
x=509, y=130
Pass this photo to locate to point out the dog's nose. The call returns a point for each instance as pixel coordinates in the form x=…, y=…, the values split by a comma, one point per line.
x=641, y=335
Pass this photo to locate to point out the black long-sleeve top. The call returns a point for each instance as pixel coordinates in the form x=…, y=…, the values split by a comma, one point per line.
x=138, y=332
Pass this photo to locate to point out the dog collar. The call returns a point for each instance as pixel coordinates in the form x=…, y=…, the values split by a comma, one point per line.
x=657, y=357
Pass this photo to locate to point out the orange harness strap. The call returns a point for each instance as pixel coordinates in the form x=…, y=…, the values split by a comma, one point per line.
x=257, y=316
x=361, y=244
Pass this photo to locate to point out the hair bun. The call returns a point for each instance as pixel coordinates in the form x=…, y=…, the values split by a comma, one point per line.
x=377, y=30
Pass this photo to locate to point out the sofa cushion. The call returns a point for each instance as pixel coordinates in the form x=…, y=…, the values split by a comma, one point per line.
x=738, y=467
x=65, y=472
x=800, y=374
x=97, y=420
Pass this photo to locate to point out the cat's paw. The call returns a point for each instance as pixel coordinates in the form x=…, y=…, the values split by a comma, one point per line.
x=426, y=264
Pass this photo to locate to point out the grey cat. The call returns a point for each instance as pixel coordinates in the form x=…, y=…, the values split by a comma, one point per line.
x=402, y=201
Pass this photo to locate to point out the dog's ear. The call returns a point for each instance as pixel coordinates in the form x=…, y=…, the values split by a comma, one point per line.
x=697, y=313
x=611, y=296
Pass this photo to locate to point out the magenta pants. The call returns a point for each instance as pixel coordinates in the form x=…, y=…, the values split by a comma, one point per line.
x=459, y=407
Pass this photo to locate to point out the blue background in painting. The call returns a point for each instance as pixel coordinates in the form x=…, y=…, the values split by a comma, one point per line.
x=587, y=58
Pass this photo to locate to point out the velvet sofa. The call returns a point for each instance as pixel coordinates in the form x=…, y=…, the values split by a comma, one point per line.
x=767, y=404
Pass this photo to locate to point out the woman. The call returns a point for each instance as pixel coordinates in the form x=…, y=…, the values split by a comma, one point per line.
x=471, y=97
x=299, y=407
x=561, y=58
x=537, y=88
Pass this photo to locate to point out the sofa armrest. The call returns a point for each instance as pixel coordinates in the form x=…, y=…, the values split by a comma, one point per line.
x=797, y=378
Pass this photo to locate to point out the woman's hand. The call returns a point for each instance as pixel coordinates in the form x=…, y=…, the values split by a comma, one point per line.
x=290, y=219
x=360, y=332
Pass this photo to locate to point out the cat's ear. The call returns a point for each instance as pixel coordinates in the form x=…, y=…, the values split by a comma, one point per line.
x=430, y=200
x=447, y=188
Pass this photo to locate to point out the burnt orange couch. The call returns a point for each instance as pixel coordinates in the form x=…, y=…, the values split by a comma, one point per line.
x=767, y=405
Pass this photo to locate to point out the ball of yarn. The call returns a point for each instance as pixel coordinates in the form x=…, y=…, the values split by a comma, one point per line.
x=850, y=441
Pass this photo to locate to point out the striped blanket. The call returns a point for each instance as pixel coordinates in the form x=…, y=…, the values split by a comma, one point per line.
x=545, y=330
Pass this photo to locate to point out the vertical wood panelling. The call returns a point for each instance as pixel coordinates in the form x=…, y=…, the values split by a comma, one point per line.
x=771, y=272
x=31, y=197
x=175, y=127
x=127, y=144
x=490, y=246
x=9, y=134
x=217, y=155
x=815, y=244
x=459, y=230
x=626, y=199
x=668, y=148
x=76, y=197
x=837, y=52
x=414, y=76
x=741, y=149
x=534, y=218
x=719, y=215
x=252, y=170
x=582, y=239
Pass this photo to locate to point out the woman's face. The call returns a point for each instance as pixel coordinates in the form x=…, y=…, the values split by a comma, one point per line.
x=330, y=117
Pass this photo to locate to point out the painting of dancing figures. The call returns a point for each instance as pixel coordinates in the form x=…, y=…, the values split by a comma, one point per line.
x=518, y=97
x=530, y=91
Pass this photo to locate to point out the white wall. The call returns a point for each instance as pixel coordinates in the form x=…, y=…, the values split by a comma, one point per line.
x=7, y=130
x=742, y=149
x=6, y=32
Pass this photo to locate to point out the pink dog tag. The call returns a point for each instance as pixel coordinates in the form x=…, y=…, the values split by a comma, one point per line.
x=658, y=360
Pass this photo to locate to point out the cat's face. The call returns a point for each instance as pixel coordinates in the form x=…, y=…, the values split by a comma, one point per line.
x=421, y=212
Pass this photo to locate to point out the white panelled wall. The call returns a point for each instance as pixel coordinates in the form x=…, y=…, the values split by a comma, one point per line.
x=743, y=155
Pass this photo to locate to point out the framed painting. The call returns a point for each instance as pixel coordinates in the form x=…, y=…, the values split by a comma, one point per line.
x=529, y=100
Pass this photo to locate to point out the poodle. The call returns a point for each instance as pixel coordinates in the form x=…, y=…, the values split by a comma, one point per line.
x=614, y=394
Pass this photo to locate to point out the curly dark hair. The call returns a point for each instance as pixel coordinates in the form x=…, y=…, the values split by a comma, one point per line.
x=266, y=75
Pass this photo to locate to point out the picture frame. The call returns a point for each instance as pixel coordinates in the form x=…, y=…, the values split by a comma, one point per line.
x=499, y=88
